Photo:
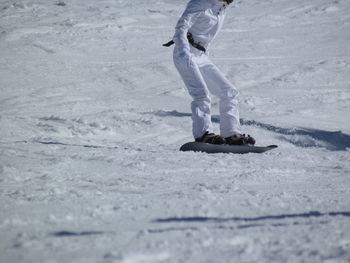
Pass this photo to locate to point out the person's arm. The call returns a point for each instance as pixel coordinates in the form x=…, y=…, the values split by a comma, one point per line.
x=188, y=18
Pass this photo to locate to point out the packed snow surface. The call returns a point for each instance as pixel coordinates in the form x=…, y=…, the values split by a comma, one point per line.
x=93, y=112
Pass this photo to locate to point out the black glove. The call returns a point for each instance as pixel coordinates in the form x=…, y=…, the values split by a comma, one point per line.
x=228, y=1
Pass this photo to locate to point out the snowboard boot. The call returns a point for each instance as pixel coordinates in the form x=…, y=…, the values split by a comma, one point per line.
x=240, y=139
x=211, y=138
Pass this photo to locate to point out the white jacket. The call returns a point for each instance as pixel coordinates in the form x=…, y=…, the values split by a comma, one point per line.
x=203, y=19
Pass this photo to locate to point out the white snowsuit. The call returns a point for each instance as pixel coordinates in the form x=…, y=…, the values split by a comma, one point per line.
x=204, y=19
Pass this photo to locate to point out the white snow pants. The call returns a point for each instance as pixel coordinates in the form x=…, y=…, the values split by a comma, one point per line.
x=203, y=78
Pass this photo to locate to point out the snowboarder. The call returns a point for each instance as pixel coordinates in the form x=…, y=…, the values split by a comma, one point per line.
x=196, y=28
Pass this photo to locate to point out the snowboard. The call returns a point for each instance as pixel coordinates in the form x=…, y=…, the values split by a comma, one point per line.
x=224, y=148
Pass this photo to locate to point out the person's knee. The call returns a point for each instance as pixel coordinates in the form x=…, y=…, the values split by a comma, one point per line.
x=233, y=92
x=228, y=93
x=199, y=95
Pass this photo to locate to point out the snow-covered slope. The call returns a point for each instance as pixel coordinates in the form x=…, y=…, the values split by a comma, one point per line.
x=93, y=112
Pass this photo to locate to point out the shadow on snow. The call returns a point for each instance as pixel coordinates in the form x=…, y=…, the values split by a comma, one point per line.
x=71, y=234
x=331, y=140
x=199, y=219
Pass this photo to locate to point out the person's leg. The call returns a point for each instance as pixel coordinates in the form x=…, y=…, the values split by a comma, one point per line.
x=198, y=90
x=220, y=86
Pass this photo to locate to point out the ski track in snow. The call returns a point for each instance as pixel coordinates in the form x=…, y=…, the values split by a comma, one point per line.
x=93, y=112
